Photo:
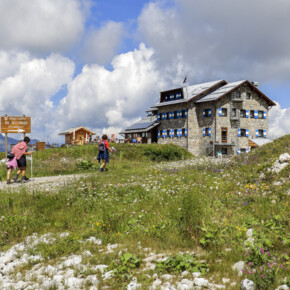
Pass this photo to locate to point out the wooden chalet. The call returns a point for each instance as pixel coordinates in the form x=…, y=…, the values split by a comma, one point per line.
x=77, y=135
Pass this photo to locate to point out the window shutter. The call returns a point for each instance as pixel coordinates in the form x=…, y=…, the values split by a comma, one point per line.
x=172, y=115
x=159, y=116
x=247, y=132
x=172, y=133
x=165, y=133
x=265, y=134
x=180, y=113
x=169, y=115
x=162, y=116
x=220, y=112
x=209, y=112
x=158, y=134
x=239, y=151
x=257, y=133
x=165, y=116
x=265, y=115
x=185, y=132
x=247, y=113
x=209, y=131
x=171, y=97
x=177, y=132
x=203, y=113
x=185, y=113
x=256, y=114
x=180, y=130
x=239, y=132
x=203, y=132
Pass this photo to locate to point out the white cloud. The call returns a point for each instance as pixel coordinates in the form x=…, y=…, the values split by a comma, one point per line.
x=40, y=26
x=101, y=45
x=31, y=84
x=221, y=39
x=279, y=121
x=99, y=98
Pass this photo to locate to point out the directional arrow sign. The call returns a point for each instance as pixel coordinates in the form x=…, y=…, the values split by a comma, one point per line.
x=15, y=131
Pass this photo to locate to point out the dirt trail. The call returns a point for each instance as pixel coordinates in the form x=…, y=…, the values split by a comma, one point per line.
x=47, y=183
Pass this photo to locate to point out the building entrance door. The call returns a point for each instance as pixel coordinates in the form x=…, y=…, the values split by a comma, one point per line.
x=224, y=135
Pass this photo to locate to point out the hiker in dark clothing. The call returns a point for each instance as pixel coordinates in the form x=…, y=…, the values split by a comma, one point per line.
x=103, y=155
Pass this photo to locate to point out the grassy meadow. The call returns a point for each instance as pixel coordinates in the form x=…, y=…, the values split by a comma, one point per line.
x=199, y=207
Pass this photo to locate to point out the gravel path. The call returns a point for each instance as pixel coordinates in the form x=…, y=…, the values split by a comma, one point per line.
x=46, y=183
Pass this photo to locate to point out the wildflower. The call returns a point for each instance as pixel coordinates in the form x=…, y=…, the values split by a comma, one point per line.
x=243, y=270
x=153, y=226
x=250, y=263
x=268, y=253
x=97, y=224
x=262, y=276
x=246, y=254
x=281, y=266
x=250, y=272
x=262, y=251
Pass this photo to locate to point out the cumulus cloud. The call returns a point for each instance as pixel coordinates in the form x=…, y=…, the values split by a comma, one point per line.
x=221, y=39
x=30, y=85
x=100, y=98
x=101, y=44
x=279, y=121
x=40, y=26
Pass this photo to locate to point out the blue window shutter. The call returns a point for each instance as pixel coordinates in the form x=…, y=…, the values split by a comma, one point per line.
x=239, y=132
x=247, y=132
x=172, y=133
x=209, y=131
x=256, y=114
x=265, y=134
x=171, y=97
x=159, y=116
x=220, y=112
x=162, y=116
x=177, y=132
x=239, y=151
x=203, y=132
x=172, y=115
x=165, y=116
x=185, y=113
x=265, y=115
x=180, y=113
x=257, y=133
x=169, y=115
x=185, y=132
x=180, y=132
x=247, y=113
x=203, y=113
x=209, y=112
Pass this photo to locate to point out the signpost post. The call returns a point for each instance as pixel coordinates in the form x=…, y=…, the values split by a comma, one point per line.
x=15, y=125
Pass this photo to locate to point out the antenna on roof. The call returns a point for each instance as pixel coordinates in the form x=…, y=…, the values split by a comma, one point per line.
x=185, y=84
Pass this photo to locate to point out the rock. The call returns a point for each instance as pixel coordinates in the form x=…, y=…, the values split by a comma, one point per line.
x=247, y=285
x=156, y=284
x=133, y=286
x=184, y=273
x=200, y=282
x=185, y=284
x=282, y=287
x=153, y=258
x=154, y=276
x=50, y=271
x=239, y=266
x=167, y=277
x=277, y=166
x=101, y=268
x=73, y=261
x=95, y=241
x=73, y=283
x=87, y=254
x=249, y=242
x=196, y=274
x=108, y=275
x=249, y=233
x=225, y=280
x=284, y=158
x=92, y=280
x=233, y=284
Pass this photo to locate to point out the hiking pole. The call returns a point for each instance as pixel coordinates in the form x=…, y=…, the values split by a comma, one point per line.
x=31, y=166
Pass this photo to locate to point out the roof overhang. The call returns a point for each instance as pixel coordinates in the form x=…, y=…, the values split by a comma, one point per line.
x=140, y=130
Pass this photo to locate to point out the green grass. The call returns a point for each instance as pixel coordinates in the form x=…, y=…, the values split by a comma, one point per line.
x=206, y=208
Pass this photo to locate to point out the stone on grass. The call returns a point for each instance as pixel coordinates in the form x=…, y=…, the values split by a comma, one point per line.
x=154, y=276
x=196, y=274
x=72, y=261
x=185, y=284
x=249, y=233
x=156, y=284
x=200, y=282
x=108, y=275
x=95, y=241
x=100, y=268
x=73, y=283
x=167, y=277
x=282, y=287
x=247, y=285
x=225, y=280
x=133, y=286
x=284, y=158
x=249, y=242
x=184, y=273
x=91, y=280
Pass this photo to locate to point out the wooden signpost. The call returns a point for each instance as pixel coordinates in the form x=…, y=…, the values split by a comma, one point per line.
x=15, y=125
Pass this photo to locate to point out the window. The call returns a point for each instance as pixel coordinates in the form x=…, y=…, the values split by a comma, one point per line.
x=243, y=150
x=248, y=96
x=207, y=131
x=236, y=95
x=224, y=112
x=207, y=112
x=243, y=113
x=224, y=151
x=175, y=132
x=234, y=112
x=243, y=132
x=260, y=114
x=252, y=114
x=175, y=114
x=259, y=133
x=167, y=133
x=183, y=132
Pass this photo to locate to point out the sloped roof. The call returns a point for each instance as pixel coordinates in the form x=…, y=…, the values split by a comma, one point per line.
x=144, y=125
x=71, y=130
x=228, y=88
x=220, y=92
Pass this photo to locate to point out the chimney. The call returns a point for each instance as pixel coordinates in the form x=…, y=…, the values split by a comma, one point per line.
x=256, y=84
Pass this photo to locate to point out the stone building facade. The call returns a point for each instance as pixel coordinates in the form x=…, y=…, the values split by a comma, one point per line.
x=212, y=118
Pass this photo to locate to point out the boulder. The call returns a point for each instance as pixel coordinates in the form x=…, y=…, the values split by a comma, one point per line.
x=284, y=158
x=247, y=285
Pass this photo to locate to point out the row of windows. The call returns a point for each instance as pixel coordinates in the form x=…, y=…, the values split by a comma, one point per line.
x=238, y=95
x=241, y=132
x=242, y=150
x=172, y=115
x=171, y=133
x=223, y=112
x=172, y=97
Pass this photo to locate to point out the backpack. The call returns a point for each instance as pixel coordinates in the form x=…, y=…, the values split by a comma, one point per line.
x=10, y=155
x=102, y=146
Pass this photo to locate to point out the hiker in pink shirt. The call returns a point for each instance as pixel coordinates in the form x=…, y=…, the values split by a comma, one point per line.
x=19, y=151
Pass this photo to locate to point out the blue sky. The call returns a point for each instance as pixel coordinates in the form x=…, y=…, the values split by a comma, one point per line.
x=101, y=64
